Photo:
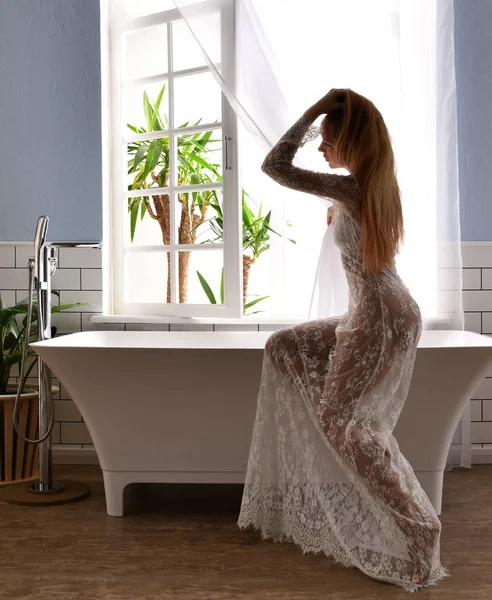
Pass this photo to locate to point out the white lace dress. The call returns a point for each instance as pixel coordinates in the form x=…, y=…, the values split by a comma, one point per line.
x=324, y=469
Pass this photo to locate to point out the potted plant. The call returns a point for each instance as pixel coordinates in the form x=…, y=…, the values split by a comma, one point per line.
x=19, y=460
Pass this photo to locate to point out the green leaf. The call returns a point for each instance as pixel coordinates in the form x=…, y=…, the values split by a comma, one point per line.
x=206, y=288
x=205, y=138
x=248, y=217
x=201, y=161
x=133, y=219
x=159, y=98
x=216, y=206
x=163, y=177
x=148, y=112
x=139, y=154
x=263, y=249
x=10, y=341
x=153, y=156
x=136, y=129
x=151, y=111
x=253, y=302
x=57, y=309
x=12, y=359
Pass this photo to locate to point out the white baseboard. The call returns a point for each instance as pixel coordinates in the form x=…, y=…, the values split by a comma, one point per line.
x=479, y=456
x=75, y=456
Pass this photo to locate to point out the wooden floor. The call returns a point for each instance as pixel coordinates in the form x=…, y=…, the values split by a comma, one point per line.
x=182, y=542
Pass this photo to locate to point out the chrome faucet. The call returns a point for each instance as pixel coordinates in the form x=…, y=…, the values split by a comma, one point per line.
x=41, y=269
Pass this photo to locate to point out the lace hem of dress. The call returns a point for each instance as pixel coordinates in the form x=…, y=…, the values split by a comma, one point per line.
x=434, y=578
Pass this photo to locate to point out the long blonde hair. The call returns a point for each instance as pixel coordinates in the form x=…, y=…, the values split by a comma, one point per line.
x=363, y=144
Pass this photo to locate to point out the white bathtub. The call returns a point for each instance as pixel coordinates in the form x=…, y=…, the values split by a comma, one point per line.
x=180, y=406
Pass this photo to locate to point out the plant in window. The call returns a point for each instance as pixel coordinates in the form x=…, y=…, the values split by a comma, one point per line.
x=256, y=240
x=148, y=161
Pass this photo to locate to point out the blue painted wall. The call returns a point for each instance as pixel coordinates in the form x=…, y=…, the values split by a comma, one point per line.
x=50, y=146
x=50, y=126
x=473, y=48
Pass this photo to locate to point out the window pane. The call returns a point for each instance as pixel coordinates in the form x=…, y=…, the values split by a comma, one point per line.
x=136, y=8
x=209, y=264
x=197, y=99
x=147, y=281
x=146, y=52
x=145, y=230
x=146, y=277
x=148, y=164
x=198, y=217
x=186, y=51
x=145, y=108
x=200, y=157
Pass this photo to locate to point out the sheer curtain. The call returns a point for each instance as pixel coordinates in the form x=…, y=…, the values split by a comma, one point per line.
x=398, y=53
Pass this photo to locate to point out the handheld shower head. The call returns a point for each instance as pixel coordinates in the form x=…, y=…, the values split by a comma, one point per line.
x=39, y=242
x=41, y=231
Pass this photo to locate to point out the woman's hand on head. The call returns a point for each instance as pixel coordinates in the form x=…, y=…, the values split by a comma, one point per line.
x=333, y=100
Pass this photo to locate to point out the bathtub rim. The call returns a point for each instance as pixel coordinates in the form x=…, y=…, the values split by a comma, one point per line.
x=230, y=340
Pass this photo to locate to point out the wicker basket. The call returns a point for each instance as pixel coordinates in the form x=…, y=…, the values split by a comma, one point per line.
x=18, y=460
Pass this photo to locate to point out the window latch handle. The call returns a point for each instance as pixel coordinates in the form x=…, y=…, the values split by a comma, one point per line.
x=227, y=165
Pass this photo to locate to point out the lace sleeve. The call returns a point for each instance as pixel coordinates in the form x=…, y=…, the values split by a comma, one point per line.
x=278, y=165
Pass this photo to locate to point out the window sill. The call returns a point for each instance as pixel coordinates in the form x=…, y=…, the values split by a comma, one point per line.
x=145, y=320
x=436, y=322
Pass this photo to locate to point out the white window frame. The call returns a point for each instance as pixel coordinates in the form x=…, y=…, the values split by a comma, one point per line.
x=115, y=210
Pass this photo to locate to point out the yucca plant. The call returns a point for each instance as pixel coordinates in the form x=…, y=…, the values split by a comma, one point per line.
x=256, y=232
x=148, y=162
x=14, y=332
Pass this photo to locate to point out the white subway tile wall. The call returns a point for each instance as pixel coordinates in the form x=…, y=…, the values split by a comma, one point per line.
x=23, y=253
x=91, y=279
x=8, y=296
x=472, y=279
x=7, y=256
x=79, y=279
x=66, y=279
x=477, y=255
x=486, y=279
x=76, y=433
x=477, y=303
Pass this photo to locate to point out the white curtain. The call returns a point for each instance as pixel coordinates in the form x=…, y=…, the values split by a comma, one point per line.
x=398, y=53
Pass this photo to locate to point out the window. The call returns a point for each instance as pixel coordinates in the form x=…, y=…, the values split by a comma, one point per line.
x=174, y=215
x=175, y=137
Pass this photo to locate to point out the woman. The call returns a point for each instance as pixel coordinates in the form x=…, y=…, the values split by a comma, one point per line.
x=324, y=470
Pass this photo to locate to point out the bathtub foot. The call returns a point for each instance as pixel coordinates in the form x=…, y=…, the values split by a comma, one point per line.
x=114, y=486
x=432, y=482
